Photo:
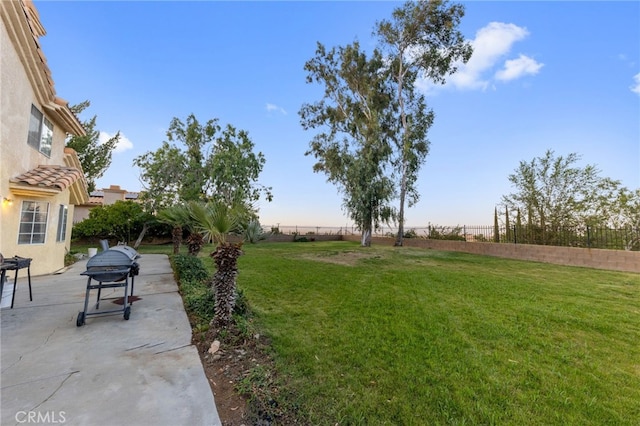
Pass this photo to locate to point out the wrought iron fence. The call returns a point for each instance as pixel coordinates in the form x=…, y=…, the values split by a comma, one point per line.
x=578, y=236
x=310, y=230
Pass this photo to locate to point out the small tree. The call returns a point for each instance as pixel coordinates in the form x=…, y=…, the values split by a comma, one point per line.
x=214, y=220
x=496, y=227
x=518, y=226
x=94, y=156
x=507, y=224
x=201, y=162
x=178, y=217
x=555, y=192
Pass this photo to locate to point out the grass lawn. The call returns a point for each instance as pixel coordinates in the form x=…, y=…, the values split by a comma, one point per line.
x=386, y=335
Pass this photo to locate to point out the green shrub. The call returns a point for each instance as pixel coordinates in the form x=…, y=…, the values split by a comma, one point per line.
x=122, y=221
x=411, y=233
x=253, y=232
x=197, y=295
x=445, y=233
x=242, y=307
x=198, y=300
x=189, y=268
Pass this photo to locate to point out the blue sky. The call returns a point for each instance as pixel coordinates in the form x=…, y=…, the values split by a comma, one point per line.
x=545, y=75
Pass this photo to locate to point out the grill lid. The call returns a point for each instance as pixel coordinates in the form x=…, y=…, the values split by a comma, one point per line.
x=129, y=251
x=118, y=256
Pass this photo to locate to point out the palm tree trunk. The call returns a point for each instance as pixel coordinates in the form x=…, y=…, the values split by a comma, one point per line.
x=224, y=282
x=176, y=238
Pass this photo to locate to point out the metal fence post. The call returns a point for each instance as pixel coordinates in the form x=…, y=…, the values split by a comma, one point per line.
x=588, y=236
x=515, y=235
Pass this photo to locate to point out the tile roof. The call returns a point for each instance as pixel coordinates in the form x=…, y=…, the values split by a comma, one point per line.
x=95, y=200
x=50, y=176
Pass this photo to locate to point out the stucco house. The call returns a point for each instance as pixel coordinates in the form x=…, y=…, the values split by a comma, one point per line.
x=103, y=197
x=40, y=180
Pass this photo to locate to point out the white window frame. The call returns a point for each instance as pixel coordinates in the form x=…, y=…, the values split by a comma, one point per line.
x=34, y=216
x=40, y=135
x=63, y=213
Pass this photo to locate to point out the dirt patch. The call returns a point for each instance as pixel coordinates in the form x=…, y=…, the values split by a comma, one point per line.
x=240, y=400
x=346, y=258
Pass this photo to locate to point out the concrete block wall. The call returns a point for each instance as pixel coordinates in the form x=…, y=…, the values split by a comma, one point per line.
x=615, y=260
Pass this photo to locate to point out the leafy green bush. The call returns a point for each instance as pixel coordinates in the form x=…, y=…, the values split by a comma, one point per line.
x=411, y=233
x=197, y=295
x=189, y=268
x=122, y=221
x=199, y=300
x=242, y=307
x=445, y=233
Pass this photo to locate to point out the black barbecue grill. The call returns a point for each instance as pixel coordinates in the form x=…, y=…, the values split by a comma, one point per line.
x=111, y=268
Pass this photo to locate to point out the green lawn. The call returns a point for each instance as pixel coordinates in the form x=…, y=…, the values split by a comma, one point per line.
x=404, y=336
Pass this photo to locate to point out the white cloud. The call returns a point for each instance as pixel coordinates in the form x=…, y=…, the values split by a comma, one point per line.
x=273, y=107
x=124, y=144
x=516, y=68
x=492, y=43
x=635, y=88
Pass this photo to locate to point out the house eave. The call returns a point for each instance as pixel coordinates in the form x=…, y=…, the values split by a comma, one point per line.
x=24, y=28
x=26, y=190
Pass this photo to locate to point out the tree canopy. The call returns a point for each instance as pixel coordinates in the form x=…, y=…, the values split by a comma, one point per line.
x=553, y=191
x=119, y=221
x=553, y=194
x=95, y=157
x=201, y=162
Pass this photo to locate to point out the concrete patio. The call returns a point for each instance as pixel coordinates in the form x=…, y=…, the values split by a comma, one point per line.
x=143, y=371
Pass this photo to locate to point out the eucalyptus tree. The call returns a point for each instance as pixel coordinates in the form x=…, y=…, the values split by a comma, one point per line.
x=355, y=122
x=422, y=40
x=94, y=155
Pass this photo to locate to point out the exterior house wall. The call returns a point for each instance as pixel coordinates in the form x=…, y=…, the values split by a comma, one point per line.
x=81, y=213
x=113, y=194
x=17, y=94
x=104, y=197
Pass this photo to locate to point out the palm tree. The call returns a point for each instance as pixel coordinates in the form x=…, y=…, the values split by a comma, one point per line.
x=178, y=217
x=195, y=242
x=214, y=220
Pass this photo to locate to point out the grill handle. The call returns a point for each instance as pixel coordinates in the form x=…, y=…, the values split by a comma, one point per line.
x=106, y=272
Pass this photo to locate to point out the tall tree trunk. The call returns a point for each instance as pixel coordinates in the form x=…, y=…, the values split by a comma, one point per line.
x=145, y=228
x=403, y=192
x=405, y=130
x=176, y=238
x=224, y=282
x=365, y=239
x=195, y=242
